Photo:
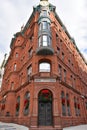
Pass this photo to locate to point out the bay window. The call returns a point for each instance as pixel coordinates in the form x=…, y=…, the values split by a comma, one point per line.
x=44, y=40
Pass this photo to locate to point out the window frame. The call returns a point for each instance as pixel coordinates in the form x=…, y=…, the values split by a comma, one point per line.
x=26, y=103
x=44, y=63
x=63, y=103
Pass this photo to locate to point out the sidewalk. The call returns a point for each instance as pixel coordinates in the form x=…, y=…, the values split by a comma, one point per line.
x=80, y=127
x=11, y=126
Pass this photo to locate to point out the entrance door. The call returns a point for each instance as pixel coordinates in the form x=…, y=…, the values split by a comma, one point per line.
x=45, y=109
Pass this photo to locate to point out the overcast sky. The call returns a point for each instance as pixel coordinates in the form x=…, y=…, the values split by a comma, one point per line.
x=15, y=13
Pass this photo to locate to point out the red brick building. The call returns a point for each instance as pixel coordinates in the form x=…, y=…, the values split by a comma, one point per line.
x=45, y=79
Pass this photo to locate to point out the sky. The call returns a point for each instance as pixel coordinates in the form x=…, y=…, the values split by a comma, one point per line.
x=15, y=13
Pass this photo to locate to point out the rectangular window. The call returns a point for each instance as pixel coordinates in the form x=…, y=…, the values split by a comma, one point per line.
x=69, y=62
x=40, y=26
x=44, y=67
x=62, y=56
x=12, y=85
x=40, y=41
x=49, y=41
x=16, y=55
x=31, y=38
x=45, y=25
x=56, y=36
x=86, y=105
x=48, y=26
x=74, y=82
x=30, y=52
x=29, y=70
x=15, y=67
x=58, y=50
x=63, y=110
x=64, y=75
x=68, y=110
x=44, y=12
x=44, y=37
x=60, y=71
x=71, y=80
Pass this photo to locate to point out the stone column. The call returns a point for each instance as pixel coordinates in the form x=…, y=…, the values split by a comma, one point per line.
x=34, y=116
x=56, y=117
x=10, y=104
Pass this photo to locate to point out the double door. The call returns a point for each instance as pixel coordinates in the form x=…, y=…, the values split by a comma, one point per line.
x=45, y=114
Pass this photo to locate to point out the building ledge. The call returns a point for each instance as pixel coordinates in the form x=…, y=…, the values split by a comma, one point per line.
x=45, y=50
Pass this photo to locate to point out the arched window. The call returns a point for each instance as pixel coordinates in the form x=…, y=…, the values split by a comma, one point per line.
x=78, y=107
x=29, y=72
x=26, y=103
x=16, y=55
x=15, y=67
x=17, y=105
x=12, y=85
x=44, y=67
x=2, y=105
x=63, y=100
x=75, y=106
x=68, y=104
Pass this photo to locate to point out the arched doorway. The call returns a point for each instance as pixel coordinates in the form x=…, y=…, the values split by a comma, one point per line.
x=45, y=108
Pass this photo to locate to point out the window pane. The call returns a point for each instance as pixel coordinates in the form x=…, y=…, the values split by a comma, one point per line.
x=16, y=55
x=44, y=12
x=15, y=67
x=39, y=41
x=44, y=67
x=49, y=41
x=60, y=71
x=48, y=26
x=26, y=103
x=29, y=70
x=45, y=25
x=30, y=52
x=40, y=26
x=44, y=40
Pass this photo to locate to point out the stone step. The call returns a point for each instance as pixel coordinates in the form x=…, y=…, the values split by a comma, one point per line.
x=45, y=128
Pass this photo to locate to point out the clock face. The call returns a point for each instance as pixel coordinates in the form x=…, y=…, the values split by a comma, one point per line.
x=44, y=3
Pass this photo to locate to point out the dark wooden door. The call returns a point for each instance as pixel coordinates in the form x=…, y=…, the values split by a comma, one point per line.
x=45, y=113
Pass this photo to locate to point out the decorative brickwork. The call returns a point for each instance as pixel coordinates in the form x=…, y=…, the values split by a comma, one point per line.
x=45, y=78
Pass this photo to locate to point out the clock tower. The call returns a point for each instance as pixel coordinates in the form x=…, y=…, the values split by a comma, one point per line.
x=44, y=2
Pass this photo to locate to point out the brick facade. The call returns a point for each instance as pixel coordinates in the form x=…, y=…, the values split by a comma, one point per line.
x=23, y=80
